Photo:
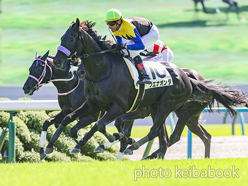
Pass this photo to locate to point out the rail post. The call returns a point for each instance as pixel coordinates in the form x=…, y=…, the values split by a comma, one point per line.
x=189, y=154
x=12, y=133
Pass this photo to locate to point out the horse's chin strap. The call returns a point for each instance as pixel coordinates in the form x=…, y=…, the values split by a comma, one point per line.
x=43, y=74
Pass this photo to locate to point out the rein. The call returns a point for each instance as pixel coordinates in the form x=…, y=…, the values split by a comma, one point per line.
x=68, y=53
x=85, y=55
x=43, y=74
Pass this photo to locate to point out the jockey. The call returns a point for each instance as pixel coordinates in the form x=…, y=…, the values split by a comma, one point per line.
x=137, y=33
x=158, y=52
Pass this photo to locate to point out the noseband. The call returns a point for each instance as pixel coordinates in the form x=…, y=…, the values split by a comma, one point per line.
x=66, y=51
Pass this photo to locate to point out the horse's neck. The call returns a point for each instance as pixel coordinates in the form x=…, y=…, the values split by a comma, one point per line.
x=62, y=86
x=97, y=65
x=66, y=86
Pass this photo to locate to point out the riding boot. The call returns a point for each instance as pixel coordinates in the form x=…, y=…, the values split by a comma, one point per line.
x=143, y=76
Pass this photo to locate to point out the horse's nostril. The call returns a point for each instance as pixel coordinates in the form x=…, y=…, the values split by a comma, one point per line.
x=26, y=89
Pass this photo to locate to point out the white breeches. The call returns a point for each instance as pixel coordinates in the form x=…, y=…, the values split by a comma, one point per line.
x=148, y=40
x=164, y=52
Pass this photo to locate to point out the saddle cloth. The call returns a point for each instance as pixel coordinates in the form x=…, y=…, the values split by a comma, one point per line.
x=158, y=73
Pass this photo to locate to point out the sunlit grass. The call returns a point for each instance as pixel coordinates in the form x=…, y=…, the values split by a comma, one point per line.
x=126, y=172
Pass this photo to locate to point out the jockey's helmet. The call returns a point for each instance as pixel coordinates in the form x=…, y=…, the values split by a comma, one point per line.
x=113, y=15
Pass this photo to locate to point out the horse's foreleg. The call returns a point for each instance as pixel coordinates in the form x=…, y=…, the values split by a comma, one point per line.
x=83, y=141
x=82, y=123
x=53, y=120
x=113, y=112
x=159, y=117
x=83, y=111
x=124, y=141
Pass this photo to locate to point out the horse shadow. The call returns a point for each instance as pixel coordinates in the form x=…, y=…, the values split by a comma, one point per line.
x=202, y=23
x=197, y=23
x=243, y=8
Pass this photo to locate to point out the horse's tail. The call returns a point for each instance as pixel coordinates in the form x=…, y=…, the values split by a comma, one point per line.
x=226, y=95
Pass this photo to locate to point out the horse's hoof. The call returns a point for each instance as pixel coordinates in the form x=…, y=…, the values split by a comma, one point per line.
x=75, y=150
x=48, y=150
x=152, y=156
x=145, y=158
x=99, y=149
x=42, y=156
x=131, y=141
x=128, y=152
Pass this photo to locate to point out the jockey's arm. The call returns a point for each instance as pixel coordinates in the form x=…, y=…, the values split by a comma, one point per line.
x=138, y=43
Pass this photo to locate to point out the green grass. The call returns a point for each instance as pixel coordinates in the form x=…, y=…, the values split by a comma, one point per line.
x=214, y=130
x=207, y=43
x=123, y=173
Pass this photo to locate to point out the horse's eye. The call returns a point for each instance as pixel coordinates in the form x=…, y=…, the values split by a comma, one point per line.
x=71, y=39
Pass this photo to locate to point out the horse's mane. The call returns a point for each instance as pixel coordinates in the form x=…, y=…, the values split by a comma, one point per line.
x=104, y=44
x=88, y=26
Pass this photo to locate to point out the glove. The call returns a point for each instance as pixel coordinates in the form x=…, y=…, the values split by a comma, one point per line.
x=114, y=46
x=119, y=47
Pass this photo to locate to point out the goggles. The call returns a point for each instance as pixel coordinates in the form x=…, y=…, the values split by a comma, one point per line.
x=111, y=23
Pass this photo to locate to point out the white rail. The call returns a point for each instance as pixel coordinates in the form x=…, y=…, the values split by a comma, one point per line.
x=29, y=105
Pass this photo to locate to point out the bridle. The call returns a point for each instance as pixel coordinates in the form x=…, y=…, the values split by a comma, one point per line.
x=43, y=74
x=84, y=55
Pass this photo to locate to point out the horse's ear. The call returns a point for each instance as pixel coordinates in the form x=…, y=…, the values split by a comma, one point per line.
x=77, y=23
x=36, y=55
x=44, y=57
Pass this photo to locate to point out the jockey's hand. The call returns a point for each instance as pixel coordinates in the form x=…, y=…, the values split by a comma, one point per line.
x=121, y=46
x=114, y=46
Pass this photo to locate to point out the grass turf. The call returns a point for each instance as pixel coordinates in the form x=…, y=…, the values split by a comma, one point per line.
x=231, y=172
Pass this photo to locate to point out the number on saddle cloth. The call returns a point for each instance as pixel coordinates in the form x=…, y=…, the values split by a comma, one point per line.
x=157, y=72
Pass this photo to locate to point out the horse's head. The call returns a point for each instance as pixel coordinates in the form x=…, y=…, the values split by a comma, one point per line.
x=39, y=73
x=70, y=42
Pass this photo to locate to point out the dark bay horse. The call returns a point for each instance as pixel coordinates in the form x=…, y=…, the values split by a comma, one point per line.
x=70, y=93
x=107, y=91
x=109, y=85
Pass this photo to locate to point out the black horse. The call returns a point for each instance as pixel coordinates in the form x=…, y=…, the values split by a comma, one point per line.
x=109, y=85
x=105, y=90
x=70, y=93
x=231, y=4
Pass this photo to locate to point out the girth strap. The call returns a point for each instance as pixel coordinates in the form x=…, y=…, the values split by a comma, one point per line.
x=139, y=97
